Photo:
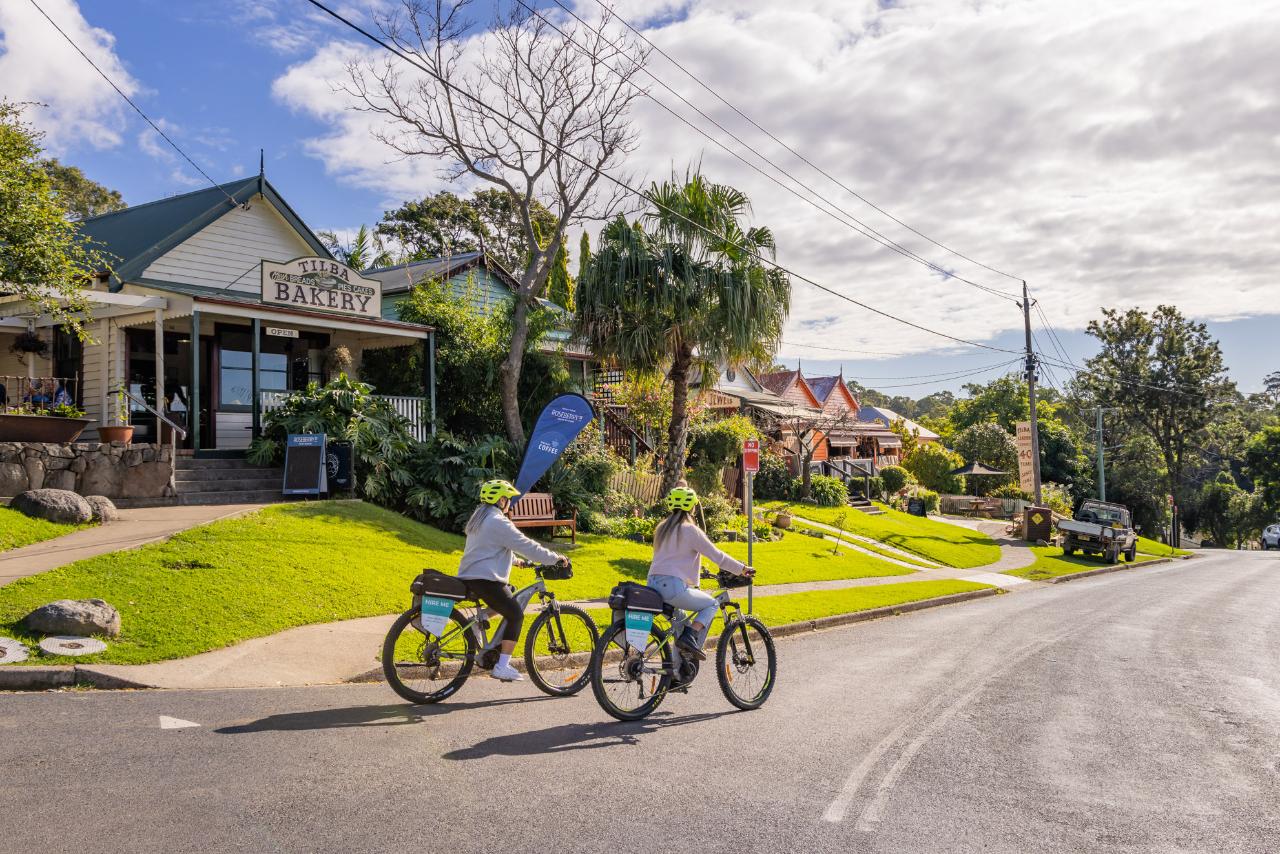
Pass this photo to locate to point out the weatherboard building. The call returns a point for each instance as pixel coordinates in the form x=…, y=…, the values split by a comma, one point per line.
x=219, y=303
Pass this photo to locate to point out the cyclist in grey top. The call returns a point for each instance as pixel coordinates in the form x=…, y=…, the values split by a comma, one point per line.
x=492, y=540
x=678, y=548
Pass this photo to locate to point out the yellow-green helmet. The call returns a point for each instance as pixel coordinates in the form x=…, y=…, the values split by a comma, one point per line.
x=493, y=491
x=681, y=498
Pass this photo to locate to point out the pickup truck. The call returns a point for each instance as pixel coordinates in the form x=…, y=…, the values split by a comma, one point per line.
x=1102, y=529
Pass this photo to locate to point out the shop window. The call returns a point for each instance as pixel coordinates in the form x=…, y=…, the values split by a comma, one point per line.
x=283, y=365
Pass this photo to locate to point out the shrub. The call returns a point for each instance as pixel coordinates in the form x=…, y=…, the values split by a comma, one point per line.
x=825, y=491
x=720, y=442
x=932, y=467
x=579, y=480
x=706, y=478
x=717, y=512
x=630, y=526
x=447, y=472
x=764, y=532
x=773, y=481
x=1010, y=490
x=930, y=499
x=345, y=410
x=1057, y=498
x=894, y=479
x=990, y=444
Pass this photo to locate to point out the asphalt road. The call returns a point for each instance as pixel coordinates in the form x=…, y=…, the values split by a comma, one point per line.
x=1131, y=712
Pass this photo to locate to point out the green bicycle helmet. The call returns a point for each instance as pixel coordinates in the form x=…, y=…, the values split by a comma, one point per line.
x=493, y=491
x=681, y=498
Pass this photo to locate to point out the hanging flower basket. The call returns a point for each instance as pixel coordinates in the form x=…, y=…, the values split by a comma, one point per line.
x=29, y=343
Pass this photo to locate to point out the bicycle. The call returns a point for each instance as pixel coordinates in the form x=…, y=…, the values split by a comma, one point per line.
x=432, y=648
x=630, y=682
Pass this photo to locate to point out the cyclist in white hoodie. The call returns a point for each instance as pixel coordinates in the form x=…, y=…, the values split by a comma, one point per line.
x=492, y=540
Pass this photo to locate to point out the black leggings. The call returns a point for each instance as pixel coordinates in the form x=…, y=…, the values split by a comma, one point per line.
x=498, y=596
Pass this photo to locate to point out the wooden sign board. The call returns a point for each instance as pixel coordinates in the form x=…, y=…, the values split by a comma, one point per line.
x=1026, y=457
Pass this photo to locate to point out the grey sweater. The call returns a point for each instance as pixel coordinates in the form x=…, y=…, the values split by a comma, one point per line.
x=491, y=545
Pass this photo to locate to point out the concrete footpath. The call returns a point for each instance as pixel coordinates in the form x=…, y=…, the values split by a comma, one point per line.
x=134, y=528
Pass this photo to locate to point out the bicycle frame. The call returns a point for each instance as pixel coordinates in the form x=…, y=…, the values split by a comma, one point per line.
x=681, y=618
x=478, y=612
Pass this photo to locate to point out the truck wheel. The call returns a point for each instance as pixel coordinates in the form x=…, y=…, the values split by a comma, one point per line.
x=1113, y=556
x=1132, y=554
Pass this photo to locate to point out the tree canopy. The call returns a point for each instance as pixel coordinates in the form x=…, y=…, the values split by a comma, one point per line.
x=78, y=195
x=42, y=256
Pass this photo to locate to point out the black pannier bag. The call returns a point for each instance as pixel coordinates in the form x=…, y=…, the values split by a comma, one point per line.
x=436, y=583
x=629, y=596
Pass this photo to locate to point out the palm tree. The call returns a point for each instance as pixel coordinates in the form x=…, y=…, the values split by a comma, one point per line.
x=691, y=290
x=365, y=251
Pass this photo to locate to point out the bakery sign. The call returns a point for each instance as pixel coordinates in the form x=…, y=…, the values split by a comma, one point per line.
x=321, y=284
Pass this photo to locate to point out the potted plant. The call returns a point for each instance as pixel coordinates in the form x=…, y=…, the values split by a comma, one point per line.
x=25, y=423
x=783, y=519
x=122, y=431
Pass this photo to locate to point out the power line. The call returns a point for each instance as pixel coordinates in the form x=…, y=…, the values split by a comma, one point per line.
x=130, y=102
x=797, y=154
x=974, y=373
x=842, y=349
x=856, y=225
x=963, y=371
x=627, y=187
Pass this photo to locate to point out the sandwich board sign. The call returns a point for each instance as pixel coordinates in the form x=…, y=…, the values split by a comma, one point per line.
x=304, y=464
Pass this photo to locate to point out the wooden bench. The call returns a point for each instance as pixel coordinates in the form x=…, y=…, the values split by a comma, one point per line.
x=536, y=510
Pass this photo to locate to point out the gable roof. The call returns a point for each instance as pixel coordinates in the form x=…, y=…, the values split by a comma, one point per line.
x=824, y=386
x=781, y=382
x=138, y=235
x=403, y=277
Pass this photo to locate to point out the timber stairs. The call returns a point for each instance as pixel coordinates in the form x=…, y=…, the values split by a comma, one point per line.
x=863, y=505
x=218, y=481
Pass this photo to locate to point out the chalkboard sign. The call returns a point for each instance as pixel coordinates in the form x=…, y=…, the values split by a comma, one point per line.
x=304, y=464
x=915, y=506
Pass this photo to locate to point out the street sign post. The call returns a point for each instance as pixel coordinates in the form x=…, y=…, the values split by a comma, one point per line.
x=750, y=465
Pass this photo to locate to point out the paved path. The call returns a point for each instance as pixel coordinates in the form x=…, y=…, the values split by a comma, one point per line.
x=1127, y=713
x=134, y=528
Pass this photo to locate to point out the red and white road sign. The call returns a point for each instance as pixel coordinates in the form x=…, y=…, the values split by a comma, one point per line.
x=751, y=455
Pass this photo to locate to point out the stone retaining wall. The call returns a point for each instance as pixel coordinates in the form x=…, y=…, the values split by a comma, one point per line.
x=115, y=470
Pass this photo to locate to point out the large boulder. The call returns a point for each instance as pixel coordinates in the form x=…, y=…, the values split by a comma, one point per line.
x=82, y=617
x=104, y=509
x=55, y=505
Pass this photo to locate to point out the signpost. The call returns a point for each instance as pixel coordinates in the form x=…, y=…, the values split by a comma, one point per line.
x=750, y=465
x=1026, y=458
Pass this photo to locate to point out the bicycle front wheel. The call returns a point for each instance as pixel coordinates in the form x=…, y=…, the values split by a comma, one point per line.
x=628, y=683
x=424, y=668
x=746, y=663
x=558, y=649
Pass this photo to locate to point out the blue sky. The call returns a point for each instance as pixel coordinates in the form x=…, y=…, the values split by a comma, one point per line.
x=1090, y=185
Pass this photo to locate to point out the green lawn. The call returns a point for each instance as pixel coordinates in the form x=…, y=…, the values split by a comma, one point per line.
x=18, y=529
x=299, y=564
x=950, y=545
x=1051, y=563
x=796, y=607
x=799, y=524
x=1153, y=547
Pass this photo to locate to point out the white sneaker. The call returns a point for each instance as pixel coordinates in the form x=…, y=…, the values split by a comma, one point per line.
x=506, y=674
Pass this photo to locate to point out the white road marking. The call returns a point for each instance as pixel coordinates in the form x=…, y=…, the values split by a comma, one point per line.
x=167, y=722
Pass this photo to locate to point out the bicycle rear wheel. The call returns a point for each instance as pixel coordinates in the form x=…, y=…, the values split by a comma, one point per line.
x=558, y=650
x=423, y=668
x=630, y=684
x=746, y=663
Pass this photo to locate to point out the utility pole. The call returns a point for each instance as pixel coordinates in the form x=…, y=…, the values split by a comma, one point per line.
x=1102, y=468
x=1031, y=389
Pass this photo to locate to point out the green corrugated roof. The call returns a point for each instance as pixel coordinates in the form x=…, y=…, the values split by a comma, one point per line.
x=136, y=236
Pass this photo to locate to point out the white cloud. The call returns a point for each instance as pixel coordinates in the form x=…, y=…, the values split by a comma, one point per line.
x=37, y=64
x=151, y=144
x=1112, y=154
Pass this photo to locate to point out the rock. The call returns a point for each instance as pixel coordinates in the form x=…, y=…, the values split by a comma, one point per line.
x=63, y=479
x=104, y=510
x=80, y=617
x=55, y=505
x=13, y=479
x=35, y=471
x=101, y=476
x=145, y=480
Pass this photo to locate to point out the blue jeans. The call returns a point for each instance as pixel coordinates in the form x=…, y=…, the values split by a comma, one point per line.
x=680, y=595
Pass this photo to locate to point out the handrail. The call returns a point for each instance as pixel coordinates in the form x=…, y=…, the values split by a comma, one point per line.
x=182, y=434
x=175, y=433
